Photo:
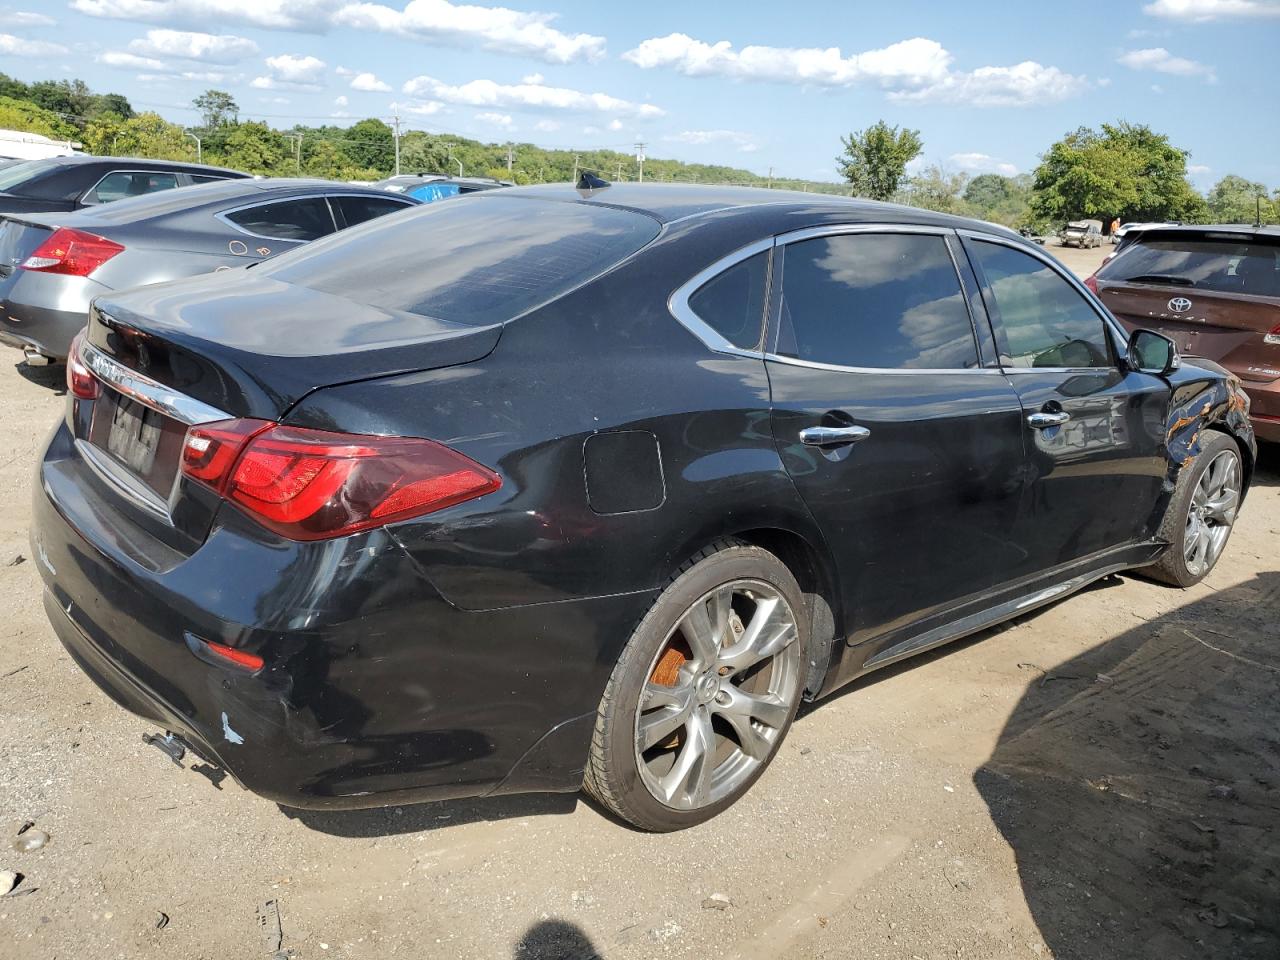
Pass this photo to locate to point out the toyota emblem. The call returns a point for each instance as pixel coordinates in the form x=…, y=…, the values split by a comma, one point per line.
x=1179, y=304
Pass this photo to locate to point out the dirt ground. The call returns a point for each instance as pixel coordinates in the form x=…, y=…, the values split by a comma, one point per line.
x=1098, y=780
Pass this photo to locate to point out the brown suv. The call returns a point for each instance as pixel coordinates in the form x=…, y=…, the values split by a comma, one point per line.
x=1215, y=291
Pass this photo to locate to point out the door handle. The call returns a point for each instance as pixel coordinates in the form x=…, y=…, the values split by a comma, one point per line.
x=832, y=436
x=1044, y=419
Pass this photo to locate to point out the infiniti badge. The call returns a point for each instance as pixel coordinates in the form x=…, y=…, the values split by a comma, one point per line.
x=1179, y=304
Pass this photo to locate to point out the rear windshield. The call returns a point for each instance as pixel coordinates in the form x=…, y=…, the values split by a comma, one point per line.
x=477, y=261
x=12, y=179
x=1226, y=264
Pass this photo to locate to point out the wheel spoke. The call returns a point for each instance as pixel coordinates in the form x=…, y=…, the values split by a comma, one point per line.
x=1191, y=544
x=657, y=725
x=690, y=777
x=768, y=634
x=704, y=626
x=1223, y=507
x=662, y=695
x=742, y=709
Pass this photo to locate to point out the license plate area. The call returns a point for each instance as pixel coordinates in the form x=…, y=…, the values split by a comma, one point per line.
x=143, y=441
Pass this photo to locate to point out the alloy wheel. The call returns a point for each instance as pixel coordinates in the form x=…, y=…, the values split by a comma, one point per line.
x=1211, y=512
x=719, y=694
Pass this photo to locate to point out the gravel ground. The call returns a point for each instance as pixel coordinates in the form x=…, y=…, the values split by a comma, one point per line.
x=1099, y=779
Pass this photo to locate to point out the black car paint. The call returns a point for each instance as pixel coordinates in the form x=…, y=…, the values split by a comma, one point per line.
x=465, y=652
x=67, y=179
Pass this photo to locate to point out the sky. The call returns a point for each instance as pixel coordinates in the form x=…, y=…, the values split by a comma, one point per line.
x=989, y=85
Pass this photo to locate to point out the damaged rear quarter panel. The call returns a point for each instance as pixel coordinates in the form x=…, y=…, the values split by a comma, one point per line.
x=1206, y=396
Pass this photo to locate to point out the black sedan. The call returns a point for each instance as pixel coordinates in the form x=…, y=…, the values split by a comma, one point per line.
x=70, y=183
x=53, y=264
x=546, y=487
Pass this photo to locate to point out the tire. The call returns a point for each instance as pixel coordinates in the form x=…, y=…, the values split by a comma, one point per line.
x=1197, y=523
x=693, y=658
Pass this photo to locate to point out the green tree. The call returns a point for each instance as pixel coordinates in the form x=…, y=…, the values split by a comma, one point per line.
x=875, y=159
x=217, y=109
x=370, y=143
x=145, y=135
x=255, y=148
x=115, y=104
x=24, y=115
x=1234, y=199
x=1126, y=171
x=933, y=188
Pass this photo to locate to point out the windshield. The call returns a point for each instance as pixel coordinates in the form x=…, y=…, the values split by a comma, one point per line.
x=19, y=174
x=1226, y=264
x=479, y=260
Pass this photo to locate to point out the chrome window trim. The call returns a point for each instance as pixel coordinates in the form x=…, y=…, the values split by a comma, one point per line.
x=111, y=173
x=829, y=230
x=1109, y=322
x=678, y=302
x=148, y=392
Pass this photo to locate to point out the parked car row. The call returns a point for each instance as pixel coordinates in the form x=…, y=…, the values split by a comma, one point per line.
x=547, y=486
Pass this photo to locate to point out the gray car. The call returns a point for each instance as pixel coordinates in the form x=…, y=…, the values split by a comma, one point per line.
x=53, y=264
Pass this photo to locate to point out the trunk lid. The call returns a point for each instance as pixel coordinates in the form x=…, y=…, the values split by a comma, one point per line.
x=18, y=238
x=253, y=346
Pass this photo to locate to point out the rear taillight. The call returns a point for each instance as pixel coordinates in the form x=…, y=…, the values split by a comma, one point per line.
x=80, y=379
x=1092, y=283
x=312, y=484
x=1273, y=337
x=72, y=252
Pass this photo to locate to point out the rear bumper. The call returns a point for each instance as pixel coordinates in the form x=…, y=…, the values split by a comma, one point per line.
x=45, y=311
x=375, y=690
x=1264, y=409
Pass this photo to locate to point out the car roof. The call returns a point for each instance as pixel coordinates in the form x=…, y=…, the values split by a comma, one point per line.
x=668, y=202
x=183, y=199
x=141, y=163
x=1192, y=230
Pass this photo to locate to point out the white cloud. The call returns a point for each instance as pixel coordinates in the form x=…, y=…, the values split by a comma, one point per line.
x=289, y=72
x=615, y=125
x=744, y=142
x=340, y=101
x=425, y=108
x=1198, y=169
x=207, y=47
x=199, y=76
x=1156, y=88
x=547, y=126
x=1162, y=61
x=11, y=46
x=496, y=119
x=1103, y=81
x=278, y=100
x=129, y=61
x=1024, y=84
x=344, y=72
x=369, y=83
x=533, y=78
x=913, y=61
x=310, y=15
x=982, y=163
x=490, y=28
x=25, y=18
x=1199, y=11
x=529, y=96
x=915, y=69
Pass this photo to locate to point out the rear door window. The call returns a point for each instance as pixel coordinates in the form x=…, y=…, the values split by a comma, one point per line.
x=353, y=210
x=1227, y=264
x=484, y=261
x=882, y=300
x=130, y=183
x=732, y=303
x=304, y=219
x=1040, y=319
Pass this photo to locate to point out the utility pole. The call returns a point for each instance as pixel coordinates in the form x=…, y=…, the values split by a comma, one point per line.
x=199, y=147
x=453, y=159
x=576, y=159
x=297, y=152
x=510, y=158
x=395, y=120
x=640, y=158
x=771, y=178
x=618, y=175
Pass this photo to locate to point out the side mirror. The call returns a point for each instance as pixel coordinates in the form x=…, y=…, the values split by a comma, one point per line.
x=1151, y=352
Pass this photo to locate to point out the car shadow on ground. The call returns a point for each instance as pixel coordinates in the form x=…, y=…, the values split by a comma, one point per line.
x=52, y=377
x=555, y=940
x=1139, y=787
x=419, y=817
x=1267, y=471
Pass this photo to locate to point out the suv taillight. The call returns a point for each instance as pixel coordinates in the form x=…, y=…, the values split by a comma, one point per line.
x=80, y=379
x=72, y=252
x=1273, y=337
x=1091, y=282
x=313, y=484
